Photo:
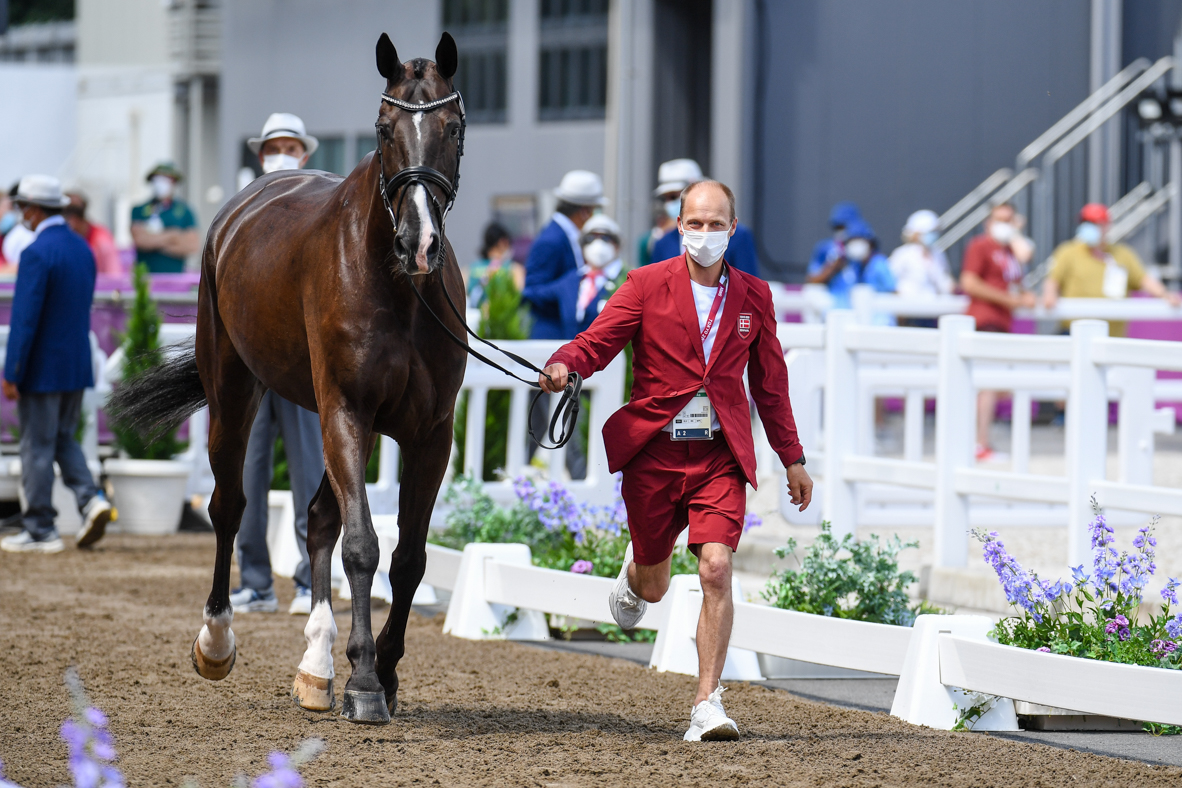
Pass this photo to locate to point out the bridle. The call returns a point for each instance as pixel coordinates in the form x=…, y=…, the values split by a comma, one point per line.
x=395, y=189
x=566, y=414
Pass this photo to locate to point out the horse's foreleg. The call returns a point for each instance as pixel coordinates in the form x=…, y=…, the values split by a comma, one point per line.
x=346, y=440
x=313, y=689
x=423, y=470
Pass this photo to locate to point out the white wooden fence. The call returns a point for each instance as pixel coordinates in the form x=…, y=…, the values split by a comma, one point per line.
x=938, y=661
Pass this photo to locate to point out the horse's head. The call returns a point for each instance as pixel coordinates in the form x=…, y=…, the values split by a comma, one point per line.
x=420, y=141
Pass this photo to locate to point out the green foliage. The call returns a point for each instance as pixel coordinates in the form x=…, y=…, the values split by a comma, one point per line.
x=141, y=348
x=848, y=579
x=26, y=12
x=501, y=318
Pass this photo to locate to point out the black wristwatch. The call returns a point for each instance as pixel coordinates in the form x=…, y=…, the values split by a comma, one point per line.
x=801, y=460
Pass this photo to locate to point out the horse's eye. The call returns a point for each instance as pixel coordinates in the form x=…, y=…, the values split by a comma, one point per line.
x=455, y=132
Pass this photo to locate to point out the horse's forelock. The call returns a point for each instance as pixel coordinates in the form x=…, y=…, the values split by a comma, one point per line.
x=419, y=65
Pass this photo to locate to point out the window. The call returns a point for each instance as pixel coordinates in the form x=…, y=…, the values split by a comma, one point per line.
x=481, y=31
x=330, y=156
x=573, y=60
x=366, y=141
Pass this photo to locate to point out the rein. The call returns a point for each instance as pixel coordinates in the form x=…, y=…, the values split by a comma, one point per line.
x=393, y=194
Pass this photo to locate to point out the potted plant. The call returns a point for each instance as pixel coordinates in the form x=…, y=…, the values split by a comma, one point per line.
x=149, y=486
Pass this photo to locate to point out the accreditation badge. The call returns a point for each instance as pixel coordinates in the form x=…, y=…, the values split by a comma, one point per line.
x=692, y=423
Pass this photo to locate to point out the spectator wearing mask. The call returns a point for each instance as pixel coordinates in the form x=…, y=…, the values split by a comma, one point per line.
x=283, y=145
x=856, y=261
x=919, y=268
x=496, y=253
x=557, y=255
x=47, y=367
x=97, y=237
x=1090, y=267
x=842, y=215
x=672, y=178
x=991, y=277
x=164, y=228
x=16, y=235
x=604, y=272
x=740, y=251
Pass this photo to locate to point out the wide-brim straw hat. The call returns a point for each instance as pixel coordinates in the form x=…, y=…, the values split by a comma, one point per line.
x=284, y=124
x=581, y=187
x=43, y=190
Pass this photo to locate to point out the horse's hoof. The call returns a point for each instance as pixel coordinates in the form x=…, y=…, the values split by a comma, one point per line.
x=367, y=708
x=214, y=670
x=312, y=693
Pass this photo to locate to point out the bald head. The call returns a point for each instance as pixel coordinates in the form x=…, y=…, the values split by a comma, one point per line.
x=712, y=191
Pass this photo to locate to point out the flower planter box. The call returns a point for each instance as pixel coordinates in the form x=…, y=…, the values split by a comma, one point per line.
x=1035, y=717
x=149, y=494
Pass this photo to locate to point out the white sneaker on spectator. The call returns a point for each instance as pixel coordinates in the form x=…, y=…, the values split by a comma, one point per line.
x=24, y=543
x=302, y=604
x=95, y=517
x=708, y=720
x=248, y=600
x=627, y=608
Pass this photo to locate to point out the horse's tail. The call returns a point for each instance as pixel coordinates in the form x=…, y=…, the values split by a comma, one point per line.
x=161, y=397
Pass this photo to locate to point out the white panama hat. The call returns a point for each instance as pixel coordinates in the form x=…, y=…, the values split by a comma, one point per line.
x=581, y=187
x=675, y=174
x=43, y=190
x=601, y=223
x=923, y=221
x=284, y=124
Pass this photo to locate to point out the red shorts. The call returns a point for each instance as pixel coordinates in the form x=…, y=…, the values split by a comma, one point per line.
x=671, y=484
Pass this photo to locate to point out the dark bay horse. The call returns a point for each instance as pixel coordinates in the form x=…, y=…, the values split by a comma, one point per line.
x=306, y=289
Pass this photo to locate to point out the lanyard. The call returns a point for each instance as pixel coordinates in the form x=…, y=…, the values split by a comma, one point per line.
x=714, y=310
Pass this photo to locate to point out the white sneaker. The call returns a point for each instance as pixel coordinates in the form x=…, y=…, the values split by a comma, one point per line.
x=247, y=600
x=627, y=608
x=24, y=543
x=95, y=516
x=708, y=721
x=302, y=604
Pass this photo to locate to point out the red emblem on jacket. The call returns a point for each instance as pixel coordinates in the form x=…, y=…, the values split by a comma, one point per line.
x=744, y=324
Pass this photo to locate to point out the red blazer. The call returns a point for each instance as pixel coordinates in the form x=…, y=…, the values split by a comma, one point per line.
x=654, y=310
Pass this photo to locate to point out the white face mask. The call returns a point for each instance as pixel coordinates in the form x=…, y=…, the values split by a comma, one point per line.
x=857, y=250
x=162, y=187
x=706, y=248
x=599, y=253
x=673, y=209
x=280, y=161
x=1002, y=232
x=1090, y=234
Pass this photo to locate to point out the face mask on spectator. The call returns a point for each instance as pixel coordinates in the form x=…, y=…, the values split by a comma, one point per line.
x=599, y=253
x=25, y=222
x=1090, y=234
x=1002, y=232
x=857, y=250
x=705, y=248
x=928, y=239
x=162, y=187
x=8, y=221
x=280, y=161
x=673, y=209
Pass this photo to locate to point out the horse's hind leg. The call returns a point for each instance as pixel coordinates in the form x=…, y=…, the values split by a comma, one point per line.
x=346, y=438
x=233, y=400
x=312, y=689
x=423, y=470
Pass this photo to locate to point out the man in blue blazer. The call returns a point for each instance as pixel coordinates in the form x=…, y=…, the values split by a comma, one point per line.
x=48, y=365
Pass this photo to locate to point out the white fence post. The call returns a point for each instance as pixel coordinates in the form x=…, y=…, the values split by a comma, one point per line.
x=955, y=426
x=470, y=616
x=1135, y=426
x=841, y=404
x=806, y=382
x=1087, y=435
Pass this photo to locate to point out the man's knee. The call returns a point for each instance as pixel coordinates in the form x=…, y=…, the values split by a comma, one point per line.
x=714, y=571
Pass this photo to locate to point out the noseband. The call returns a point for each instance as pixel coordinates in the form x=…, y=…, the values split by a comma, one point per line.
x=394, y=190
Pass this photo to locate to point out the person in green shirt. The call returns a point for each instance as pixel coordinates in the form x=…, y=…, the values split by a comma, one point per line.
x=164, y=228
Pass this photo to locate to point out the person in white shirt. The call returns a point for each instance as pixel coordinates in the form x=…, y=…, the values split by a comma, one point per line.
x=920, y=268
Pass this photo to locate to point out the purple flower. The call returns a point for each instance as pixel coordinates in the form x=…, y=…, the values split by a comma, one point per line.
x=1119, y=625
x=1080, y=577
x=582, y=567
x=1161, y=648
x=1021, y=587
x=1174, y=627
x=1170, y=592
x=1043, y=649
x=96, y=717
x=751, y=520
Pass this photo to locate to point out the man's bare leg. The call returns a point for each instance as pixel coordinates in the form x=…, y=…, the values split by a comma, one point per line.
x=718, y=614
x=986, y=408
x=650, y=582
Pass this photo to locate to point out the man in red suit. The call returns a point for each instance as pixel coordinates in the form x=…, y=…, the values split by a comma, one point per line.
x=684, y=440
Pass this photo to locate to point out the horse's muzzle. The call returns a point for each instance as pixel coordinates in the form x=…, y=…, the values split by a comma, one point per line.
x=418, y=255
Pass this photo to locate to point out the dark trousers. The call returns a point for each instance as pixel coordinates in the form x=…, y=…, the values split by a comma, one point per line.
x=303, y=444
x=48, y=423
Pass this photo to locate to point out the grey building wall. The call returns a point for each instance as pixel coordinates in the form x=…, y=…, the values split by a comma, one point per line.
x=898, y=106
x=316, y=59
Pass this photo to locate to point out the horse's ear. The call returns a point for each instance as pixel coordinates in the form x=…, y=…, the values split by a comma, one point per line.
x=447, y=58
x=389, y=66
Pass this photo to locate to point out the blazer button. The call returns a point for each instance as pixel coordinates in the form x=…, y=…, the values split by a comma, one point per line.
x=706, y=382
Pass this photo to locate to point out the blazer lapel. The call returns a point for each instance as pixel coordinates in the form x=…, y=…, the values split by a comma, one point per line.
x=677, y=277
x=736, y=297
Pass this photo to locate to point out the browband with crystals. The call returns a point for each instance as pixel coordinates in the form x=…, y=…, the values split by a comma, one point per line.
x=426, y=106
